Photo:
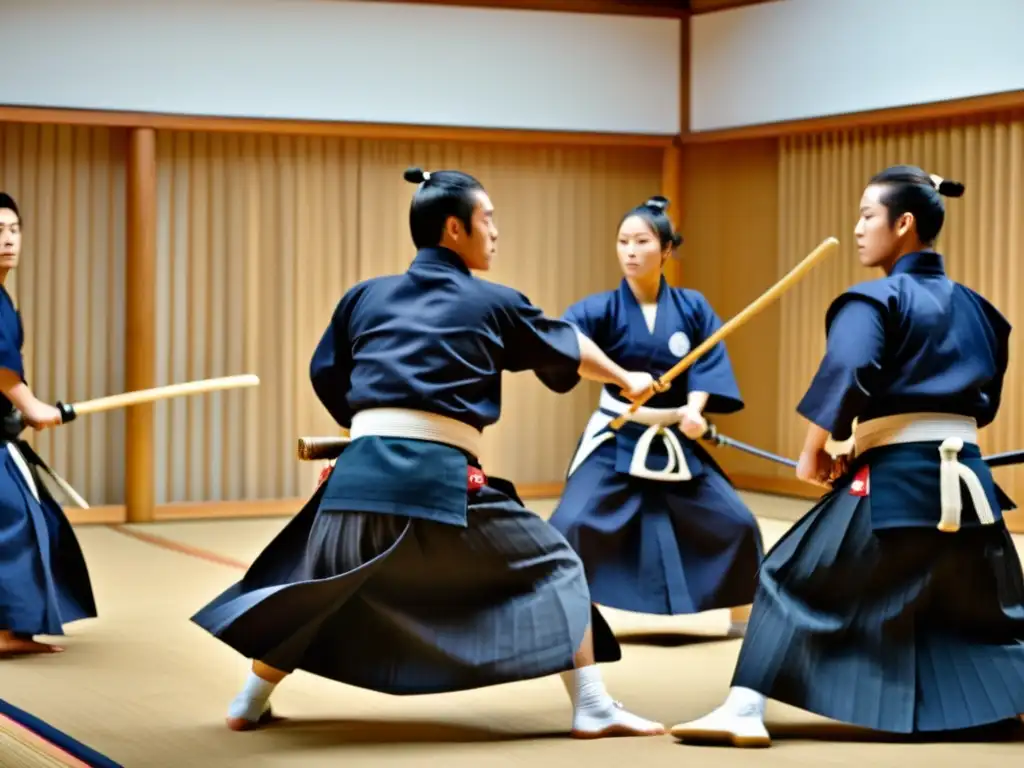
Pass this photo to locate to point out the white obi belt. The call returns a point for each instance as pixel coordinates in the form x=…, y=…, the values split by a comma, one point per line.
x=953, y=432
x=658, y=421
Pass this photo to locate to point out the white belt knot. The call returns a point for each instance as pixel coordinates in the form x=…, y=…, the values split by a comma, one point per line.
x=954, y=432
x=657, y=420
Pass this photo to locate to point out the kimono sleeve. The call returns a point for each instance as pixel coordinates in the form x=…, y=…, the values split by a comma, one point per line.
x=853, y=357
x=10, y=348
x=587, y=316
x=330, y=370
x=712, y=372
x=535, y=342
x=992, y=390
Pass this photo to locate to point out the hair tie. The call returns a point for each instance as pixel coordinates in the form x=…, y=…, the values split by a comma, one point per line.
x=426, y=176
x=947, y=188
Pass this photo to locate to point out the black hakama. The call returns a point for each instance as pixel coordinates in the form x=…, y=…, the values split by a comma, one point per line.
x=408, y=572
x=866, y=612
x=408, y=606
x=44, y=582
x=897, y=603
x=657, y=547
x=902, y=629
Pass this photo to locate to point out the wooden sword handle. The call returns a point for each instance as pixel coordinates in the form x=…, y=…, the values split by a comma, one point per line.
x=317, y=448
x=761, y=303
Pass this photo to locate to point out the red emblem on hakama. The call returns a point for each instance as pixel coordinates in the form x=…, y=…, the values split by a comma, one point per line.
x=861, y=485
x=475, y=479
x=324, y=474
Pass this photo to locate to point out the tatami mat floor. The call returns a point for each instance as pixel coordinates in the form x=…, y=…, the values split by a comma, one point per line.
x=148, y=689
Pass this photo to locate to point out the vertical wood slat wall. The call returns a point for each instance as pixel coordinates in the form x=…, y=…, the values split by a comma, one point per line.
x=257, y=236
x=730, y=254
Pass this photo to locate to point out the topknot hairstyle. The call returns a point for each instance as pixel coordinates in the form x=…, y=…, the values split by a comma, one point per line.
x=908, y=189
x=441, y=195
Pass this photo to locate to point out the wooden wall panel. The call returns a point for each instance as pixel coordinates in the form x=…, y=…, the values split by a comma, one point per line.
x=260, y=236
x=730, y=226
x=69, y=183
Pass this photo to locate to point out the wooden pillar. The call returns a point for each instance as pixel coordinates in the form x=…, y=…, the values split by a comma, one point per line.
x=140, y=318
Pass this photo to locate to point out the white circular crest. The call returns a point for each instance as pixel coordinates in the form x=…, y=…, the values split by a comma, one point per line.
x=679, y=344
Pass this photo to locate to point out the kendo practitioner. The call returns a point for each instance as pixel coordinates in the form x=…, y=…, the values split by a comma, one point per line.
x=659, y=527
x=410, y=571
x=44, y=582
x=897, y=603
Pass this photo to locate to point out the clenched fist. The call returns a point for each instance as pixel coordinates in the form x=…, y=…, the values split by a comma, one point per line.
x=692, y=423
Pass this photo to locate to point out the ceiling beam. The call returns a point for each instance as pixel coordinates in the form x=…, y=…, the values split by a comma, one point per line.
x=709, y=6
x=658, y=8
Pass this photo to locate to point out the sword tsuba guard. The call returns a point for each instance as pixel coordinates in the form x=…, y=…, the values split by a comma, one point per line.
x=67, y=412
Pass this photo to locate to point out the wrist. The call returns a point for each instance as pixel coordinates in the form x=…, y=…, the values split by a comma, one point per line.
x=23, y=398
x=696, y=401
x=619, y=376
x=815, y=440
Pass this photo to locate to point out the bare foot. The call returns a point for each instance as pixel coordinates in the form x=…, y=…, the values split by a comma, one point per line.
x=12, y=645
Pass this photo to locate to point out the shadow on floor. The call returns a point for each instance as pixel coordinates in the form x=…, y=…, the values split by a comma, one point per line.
x=668, y=639
x=287, y=733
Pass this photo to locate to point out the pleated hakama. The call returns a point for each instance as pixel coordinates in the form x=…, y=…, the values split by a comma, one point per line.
x=901, y=629
x=657, y=547
x=410, y=606
x=44, y=582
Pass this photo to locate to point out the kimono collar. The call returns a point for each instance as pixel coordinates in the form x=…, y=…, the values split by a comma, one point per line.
x=631, y=298
x=919, y=263
x=442, y=257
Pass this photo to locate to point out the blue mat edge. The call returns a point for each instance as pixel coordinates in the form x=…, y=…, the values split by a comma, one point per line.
x=43, y=729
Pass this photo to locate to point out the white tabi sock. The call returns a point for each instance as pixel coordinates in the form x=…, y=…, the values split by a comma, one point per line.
x=586, y=688
x=253, y=700
x=595, y=713
x=743, y=702
x=737, y=628
x=739, y=721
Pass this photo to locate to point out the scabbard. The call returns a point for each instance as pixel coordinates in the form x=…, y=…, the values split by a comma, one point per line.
x=1007, y=459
